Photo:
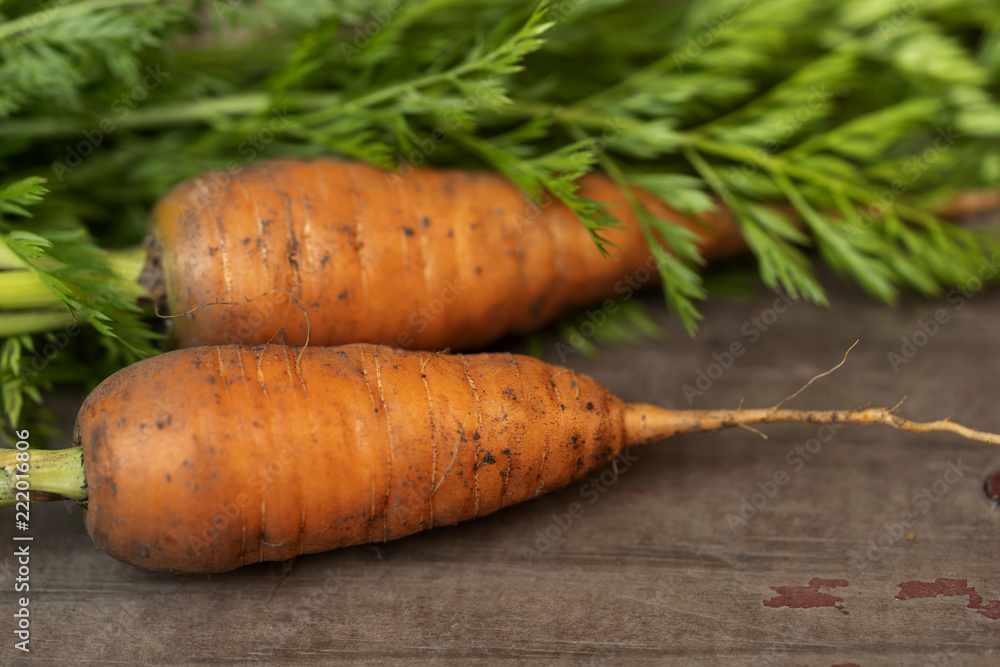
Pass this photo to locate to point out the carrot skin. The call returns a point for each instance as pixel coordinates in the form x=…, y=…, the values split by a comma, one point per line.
x=210, y=458
x=440, y=258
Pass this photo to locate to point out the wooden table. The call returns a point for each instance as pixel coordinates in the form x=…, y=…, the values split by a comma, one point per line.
x=661, y=566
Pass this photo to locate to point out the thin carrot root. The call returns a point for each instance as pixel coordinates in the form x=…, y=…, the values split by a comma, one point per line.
x=649, y=423
x=244, y=302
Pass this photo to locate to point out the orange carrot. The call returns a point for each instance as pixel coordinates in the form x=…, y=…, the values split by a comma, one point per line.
x=436, y=259
x=206, y=459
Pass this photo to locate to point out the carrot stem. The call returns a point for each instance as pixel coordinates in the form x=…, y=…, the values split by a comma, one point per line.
x=8, y=259
x=37, y=307
x=34, y=321
x=23, y=289
x=45, y=474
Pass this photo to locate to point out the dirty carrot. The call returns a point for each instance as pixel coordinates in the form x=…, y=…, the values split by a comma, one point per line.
x=433, y=259
x=206, y=459
x=430, y=259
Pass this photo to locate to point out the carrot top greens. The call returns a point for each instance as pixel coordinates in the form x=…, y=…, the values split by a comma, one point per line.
x=859, y=117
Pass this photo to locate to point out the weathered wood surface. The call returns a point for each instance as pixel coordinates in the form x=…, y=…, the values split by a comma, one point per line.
x=652, y=571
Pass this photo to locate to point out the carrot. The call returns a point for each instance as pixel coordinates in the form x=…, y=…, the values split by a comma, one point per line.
x=210, y=458
x=440, y=258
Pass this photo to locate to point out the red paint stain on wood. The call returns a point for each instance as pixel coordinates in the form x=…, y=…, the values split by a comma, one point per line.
x=806, y=597
x=992, y=487
x=945, y=587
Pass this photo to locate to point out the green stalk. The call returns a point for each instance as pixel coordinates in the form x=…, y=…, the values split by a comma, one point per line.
x=22, y=289
x=50, y=474
x=128, y=264
x=35, y=307
x=141, y=119
x=9, y=259
x=15, y=324
x=204, y=111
